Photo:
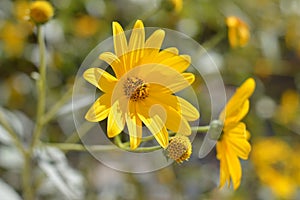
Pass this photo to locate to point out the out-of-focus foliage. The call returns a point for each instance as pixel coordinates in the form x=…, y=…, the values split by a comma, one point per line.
x=272, y=57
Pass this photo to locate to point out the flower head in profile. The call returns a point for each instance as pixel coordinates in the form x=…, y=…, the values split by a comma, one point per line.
x=142, y=90
x=238, y=32
x=233, y=143
x=41, y=12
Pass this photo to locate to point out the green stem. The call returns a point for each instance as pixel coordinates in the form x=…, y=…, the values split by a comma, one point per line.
x=26, y=178
x=216, y=39
x=55, y=108
x=96, y=148
x=200, y=129
x=41, y=88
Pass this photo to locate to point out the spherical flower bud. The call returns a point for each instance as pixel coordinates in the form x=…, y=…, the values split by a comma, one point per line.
x=41, y=11
x=179, y=148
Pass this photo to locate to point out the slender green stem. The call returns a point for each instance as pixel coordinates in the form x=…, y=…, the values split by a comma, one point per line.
x=95, y=148
x=80, y=147
x=55, y=108
x=216, y=39
x=41, y=88
x=12, y=133
x=201, y=128
x=26, y=178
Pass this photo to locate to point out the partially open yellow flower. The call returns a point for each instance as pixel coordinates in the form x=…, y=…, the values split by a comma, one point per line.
x=238, y=32
x=233, y=143
x=142, y=90
x=41, y=11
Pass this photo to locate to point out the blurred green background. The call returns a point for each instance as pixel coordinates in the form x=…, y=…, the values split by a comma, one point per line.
x=272, y=57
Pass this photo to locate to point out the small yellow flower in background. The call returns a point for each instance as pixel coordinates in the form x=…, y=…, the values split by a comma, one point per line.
x=180, y=148
x=238, y=32
x=14, y=38
x=86, y=26
x=273, y=162
x=41, y=12
x=289, y=107
x=142, y=91
x=177, y=5
x=233, y=143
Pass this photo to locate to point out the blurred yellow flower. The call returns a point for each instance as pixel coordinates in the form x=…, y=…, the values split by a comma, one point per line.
x=41, y=11
x=289, y=107
x=86, y=26
x=143, y=89
x=238, y=32
x=177, y=5
x=180, y=148
x=21, y=9
x=13, y=37
x=233, y=143
x=272, y=159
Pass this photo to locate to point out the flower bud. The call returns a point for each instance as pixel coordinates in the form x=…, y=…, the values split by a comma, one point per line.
x=179, y=148
x=41, y=12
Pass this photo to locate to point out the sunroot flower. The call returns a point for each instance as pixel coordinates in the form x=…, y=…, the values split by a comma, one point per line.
x=233, y=143
x=238, y=32
x=41, y=12
x=142, y=90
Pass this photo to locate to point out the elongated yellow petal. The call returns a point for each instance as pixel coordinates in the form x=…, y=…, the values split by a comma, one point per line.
x=179, y=63
x=100, y=78
x=188, y=111
x=155, y=40
x=234, y=168
x=224, y=172
x=136, y=45
x=154, y=124
x=235, y=112
x=172, y=118
x=134, y=126
x=116, y=121
x=100, y=109
x=237, y=141
x=120, y=41
x=114, y=62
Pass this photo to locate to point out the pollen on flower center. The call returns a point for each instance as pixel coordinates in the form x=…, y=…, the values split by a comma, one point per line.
x=136, y=89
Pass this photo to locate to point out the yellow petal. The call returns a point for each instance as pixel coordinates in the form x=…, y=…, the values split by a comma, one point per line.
x=99, y=109
x=171, y=117
x=136, y=44
x=154, y=124
x=224, y=172
x=179, y=63
x=237, y=141
x=188, y=110
x=100, y=78
x=114, y=62
x=120, y=41
x=235, y=112
x=234, y=168
x=155, y=40
x=134, y=126
x=116, y=121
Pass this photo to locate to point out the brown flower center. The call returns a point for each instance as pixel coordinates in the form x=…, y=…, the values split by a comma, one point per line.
x=136, y=89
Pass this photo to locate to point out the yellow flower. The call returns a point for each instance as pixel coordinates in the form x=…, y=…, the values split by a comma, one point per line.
x=86, y=26
x=14, y=38
x=273, y=162
x=289, y=105
x=41, y=11
x=233, y=143
x=238, y=32
x=142, y=91
x=177, y=5
x=180, y=148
